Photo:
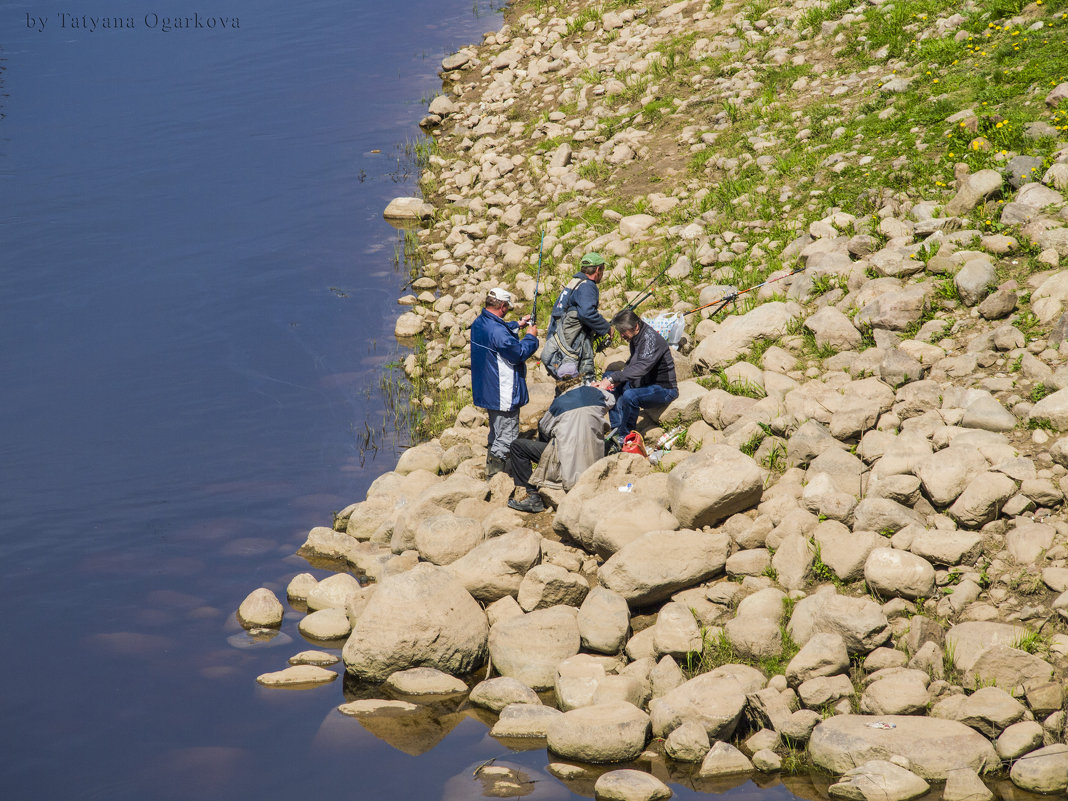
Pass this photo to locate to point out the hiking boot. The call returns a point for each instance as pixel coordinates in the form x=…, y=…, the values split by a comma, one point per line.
x=532, y=503
x=494, y=465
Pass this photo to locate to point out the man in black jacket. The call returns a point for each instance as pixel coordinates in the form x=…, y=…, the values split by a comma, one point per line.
x=648, y=377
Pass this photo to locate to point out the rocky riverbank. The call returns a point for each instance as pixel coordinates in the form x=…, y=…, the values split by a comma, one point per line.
x=858, y=556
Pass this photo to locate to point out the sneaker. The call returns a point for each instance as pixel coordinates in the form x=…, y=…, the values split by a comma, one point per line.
x=494, y=465
x=532, y=503
x=613, y=445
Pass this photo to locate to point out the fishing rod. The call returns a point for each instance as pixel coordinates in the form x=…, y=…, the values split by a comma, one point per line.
x=731, y=297
x=648, y=291
x=601, y=342
x=537, y=281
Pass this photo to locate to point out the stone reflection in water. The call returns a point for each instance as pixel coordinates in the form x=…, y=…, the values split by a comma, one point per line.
x=1005, y=790
x=413, y=728
x=580, y=778
x=500, y=779
x=808, y=786
x=259, y=638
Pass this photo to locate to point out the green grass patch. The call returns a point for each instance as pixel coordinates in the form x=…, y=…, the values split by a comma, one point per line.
x=1040, y=391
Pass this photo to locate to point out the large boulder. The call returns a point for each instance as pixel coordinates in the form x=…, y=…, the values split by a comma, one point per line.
x=893, y=573
x=712, y=485
x=793, y=561
x=499, y=692
x=408, y=208
x=901, y=693
x=442, y=539
x=425, y=681
x=687, y=407
x=845, y=551
x=425, y=456
x=676, y=632
x=878, y=780
x=260, y=609
x=754, y=637
x=714, y=701
x=834, y=329
x=1010, y=668
x=976, y=188
x=1028, y=541
x=974, y=279
x=420, y=618
x=614, y=732
x=1052, y=409
x=660, y=563
x=894, y=310
x=884, y=515
x=965, y=785
x=611, y=519
x=947, y=547
x=548, y=585
x=496, y=568
x=738, y=332
x=529, y=647
x=604, y=620
x=823, y=655
x=860, y=622
x=723, y=759
x=982, y=499
x=990, y=710
x=629, y=784
x=966, y=642
x=326, y=624
x=688, y=743
x=814, y=693
x=333, y=592
x=522, y=720
x=1043, y=771
x=945, y=473
x=933, y=747
x=605, y=474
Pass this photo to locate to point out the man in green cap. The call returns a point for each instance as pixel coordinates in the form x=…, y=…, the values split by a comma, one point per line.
x=575, y=322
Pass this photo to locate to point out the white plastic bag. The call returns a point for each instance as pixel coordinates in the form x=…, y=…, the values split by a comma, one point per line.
x=670, y=325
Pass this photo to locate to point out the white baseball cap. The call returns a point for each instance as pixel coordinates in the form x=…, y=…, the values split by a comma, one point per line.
x=501, y=294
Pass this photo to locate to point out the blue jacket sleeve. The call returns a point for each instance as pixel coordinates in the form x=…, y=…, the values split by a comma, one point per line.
x=585, y=301
x=515, y=351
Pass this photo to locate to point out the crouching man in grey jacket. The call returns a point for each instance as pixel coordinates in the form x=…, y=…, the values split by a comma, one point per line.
x=570, y=439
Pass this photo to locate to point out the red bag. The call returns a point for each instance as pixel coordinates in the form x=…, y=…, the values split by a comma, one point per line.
x=633, y=443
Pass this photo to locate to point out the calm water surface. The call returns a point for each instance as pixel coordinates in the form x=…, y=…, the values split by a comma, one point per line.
x=197, y=295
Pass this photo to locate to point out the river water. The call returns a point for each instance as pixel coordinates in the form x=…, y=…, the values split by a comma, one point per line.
x=197, y=296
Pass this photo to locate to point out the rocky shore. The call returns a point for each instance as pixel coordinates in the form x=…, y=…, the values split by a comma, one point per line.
x=857, y=557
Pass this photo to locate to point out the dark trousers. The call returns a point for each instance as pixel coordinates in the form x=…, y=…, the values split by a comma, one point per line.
x=522, y=455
